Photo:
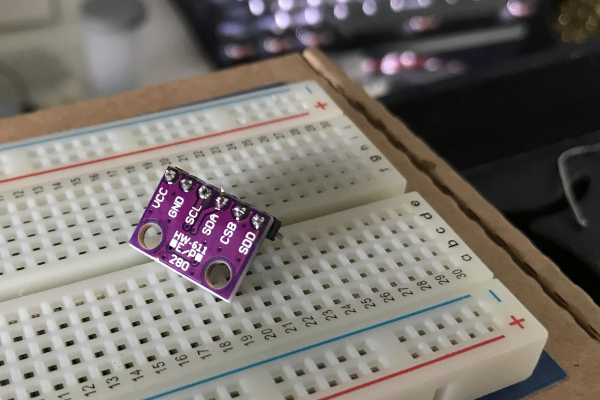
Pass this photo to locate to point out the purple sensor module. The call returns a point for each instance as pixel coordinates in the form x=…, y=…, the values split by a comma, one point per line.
x=202, y=233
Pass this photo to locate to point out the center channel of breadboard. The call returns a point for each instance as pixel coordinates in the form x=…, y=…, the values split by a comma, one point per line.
x=373, y=293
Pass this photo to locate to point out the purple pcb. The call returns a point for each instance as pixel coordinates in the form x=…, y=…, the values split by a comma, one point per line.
x=202, y=233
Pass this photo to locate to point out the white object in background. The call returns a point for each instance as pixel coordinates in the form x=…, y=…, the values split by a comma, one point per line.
x=110, y=28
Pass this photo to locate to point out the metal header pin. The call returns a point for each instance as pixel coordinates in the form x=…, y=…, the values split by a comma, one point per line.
x=170, y=175
x=239, y=212
x=221, y=202
x=257, y=221
x=186, y=184
x=204, y=192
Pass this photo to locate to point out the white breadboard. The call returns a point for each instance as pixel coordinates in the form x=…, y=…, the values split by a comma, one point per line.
x=383, y=301
x=379, y=301
x=73, y=228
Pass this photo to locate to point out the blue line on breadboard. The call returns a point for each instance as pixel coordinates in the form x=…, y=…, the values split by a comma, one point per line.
x=547, y=373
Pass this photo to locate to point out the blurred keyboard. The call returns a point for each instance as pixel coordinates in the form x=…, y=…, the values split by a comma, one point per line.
x=235, y=31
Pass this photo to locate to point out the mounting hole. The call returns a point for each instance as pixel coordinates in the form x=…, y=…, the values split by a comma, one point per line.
x=218, y=275
x=149, y=236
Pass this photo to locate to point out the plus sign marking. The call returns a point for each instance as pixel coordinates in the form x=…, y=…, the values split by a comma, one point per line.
x=518, y=322
x=320, y=105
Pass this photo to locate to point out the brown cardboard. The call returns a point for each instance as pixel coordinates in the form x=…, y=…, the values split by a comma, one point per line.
x=572, y=319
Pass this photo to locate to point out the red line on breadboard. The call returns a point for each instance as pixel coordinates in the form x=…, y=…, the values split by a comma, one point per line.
x=153, y=148
x=411, y=369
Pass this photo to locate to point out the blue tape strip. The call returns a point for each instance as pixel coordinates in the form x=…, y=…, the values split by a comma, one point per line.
x=547, y=373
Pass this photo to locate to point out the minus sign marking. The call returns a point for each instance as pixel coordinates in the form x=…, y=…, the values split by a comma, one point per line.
x=495, y=296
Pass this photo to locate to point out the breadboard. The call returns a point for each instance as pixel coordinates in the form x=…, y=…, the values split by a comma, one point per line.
x=76, y=227
x=368, y=295
x=361, y=302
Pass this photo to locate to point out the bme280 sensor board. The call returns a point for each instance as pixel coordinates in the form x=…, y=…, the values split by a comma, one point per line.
x=206, y=235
